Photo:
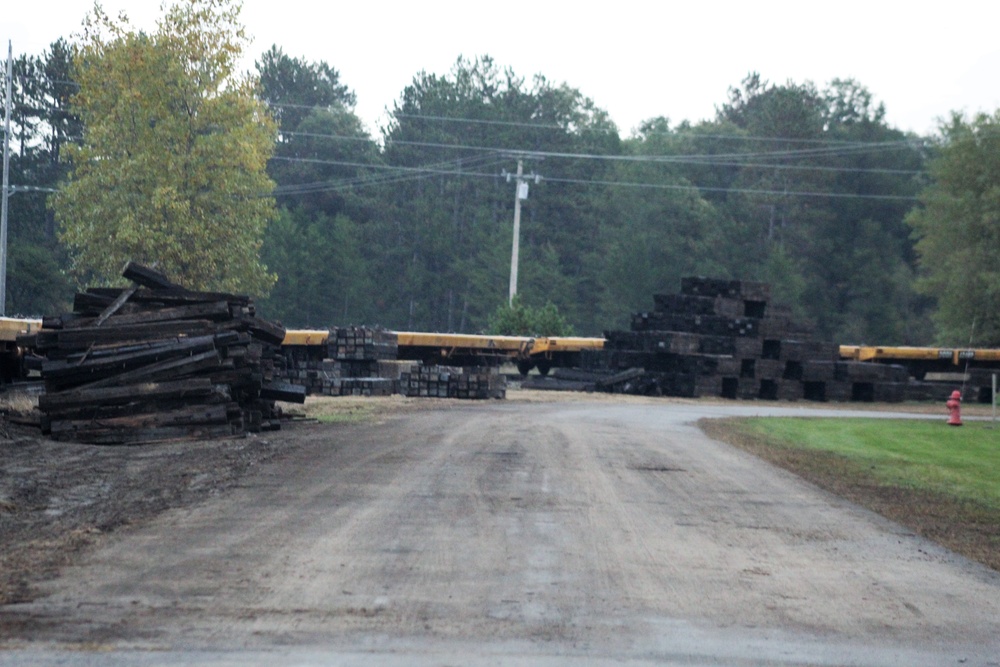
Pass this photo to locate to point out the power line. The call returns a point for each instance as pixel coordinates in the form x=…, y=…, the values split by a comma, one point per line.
x=410, y=173
x=480, y=121
x=680, y=134
x=436, y=171
x=725, y=160
x=787, y=193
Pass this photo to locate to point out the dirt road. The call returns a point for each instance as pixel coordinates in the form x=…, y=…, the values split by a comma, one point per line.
x=558, y=533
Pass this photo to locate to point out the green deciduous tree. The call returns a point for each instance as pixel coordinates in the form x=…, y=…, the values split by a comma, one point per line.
x=958, y=231
x=171, y=168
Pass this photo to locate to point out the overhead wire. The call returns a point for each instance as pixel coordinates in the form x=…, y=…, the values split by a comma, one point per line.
x=438, y=171
x=729, y=159
x=752, y=160
x=755, y=160
x=409, y=173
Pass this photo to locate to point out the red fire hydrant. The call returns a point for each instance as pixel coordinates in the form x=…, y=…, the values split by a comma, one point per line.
x=954, y=405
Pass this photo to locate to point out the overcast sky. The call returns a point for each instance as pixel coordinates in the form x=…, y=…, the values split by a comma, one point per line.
x=637, y=60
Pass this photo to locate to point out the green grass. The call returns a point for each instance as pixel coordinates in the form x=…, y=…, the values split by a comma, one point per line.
x=960, y=462
x=348, y=417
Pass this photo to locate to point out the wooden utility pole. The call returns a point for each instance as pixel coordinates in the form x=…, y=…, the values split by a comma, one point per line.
x=514, y=249
x=520, y=193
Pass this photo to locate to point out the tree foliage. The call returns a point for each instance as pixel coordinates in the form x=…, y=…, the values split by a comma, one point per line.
x=518, y=319
x=321, y=271
x=958, y=231
x=171, y=168
x=316, y=246
x=444, y=238
x=817, y=186
x=803, y=187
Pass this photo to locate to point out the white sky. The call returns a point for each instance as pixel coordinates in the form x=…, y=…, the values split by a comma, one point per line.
x=635, y=59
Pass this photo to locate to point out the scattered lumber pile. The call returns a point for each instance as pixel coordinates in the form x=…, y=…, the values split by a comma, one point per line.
x=480, y=382
x=156, y=361
x=725, y=338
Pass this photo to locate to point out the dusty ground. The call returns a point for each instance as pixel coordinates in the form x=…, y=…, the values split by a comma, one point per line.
x=57, y=499
x=555, y=527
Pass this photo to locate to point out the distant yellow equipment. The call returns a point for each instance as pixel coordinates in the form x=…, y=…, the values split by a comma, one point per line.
x=472, y=349
x=923, y=360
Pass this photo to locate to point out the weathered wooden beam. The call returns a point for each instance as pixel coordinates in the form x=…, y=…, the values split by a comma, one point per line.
x=147, y=276
x=283, y=391
x=59, y=370
x=115, y=305
x=68, y=341
x=154, y=390
x=189, y=416
x=161, y=371
x=174, y=296
x=262, y=330
x=218, y=310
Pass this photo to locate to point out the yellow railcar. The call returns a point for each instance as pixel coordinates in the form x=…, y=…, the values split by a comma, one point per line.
x=923, y=360
x=470, y=349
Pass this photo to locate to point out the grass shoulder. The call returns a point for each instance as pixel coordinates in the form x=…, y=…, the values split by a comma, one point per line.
x=942, y=482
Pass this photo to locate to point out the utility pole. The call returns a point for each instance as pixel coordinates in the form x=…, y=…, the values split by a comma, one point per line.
x=520, y=192
x=6, y=182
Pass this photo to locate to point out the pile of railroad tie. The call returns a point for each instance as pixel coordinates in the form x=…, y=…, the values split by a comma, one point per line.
x=453, y=382
x=156, y=361
x=725, y=338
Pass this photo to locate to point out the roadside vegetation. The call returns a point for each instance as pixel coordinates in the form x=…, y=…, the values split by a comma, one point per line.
x=353, y=409
x=942, y=482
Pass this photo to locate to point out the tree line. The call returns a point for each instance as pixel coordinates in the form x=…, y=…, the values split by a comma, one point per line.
x=808, y=188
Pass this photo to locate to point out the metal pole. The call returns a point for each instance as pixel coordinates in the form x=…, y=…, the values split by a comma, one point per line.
x=517, y=233
x=6, y=183
x=994, y=398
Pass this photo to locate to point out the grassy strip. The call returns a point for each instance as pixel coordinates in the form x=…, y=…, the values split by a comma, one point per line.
x=357, y=409
x=940, y=481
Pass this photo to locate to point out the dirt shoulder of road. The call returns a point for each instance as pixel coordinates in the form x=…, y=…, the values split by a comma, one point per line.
x=965, y=528
x=59, y=499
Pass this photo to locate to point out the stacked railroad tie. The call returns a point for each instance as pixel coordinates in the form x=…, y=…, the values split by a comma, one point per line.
x=330, y=377
x=354, y=361
x=362, y=361
x=363, y=344
x=156, y=361
x=725, y=338
x=453, y=382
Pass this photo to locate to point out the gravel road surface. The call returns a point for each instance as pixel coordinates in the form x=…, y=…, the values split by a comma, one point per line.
x=505, y=533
